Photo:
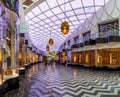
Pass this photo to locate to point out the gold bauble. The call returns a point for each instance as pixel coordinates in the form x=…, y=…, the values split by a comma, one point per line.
x=65, y=27
x=51, y=41
x=47, y=48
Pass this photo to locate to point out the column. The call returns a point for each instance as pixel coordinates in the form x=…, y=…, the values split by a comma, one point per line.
x=13, y=31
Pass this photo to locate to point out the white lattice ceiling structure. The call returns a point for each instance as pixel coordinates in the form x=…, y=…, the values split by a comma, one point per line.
x=47, y=15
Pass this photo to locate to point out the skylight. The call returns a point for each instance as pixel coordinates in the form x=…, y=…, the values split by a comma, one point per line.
x=49, y=15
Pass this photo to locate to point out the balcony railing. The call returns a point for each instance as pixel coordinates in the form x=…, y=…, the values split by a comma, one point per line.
x=75, y=46
x=109, y=36
x=91, y=40
x=99, y=37
x=113, y=36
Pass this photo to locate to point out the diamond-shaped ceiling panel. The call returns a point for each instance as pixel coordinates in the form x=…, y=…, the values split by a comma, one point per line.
x=47, y=17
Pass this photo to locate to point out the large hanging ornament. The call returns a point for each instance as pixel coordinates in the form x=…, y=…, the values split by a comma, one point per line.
x=65, y=27
x=51, y=41
x=47, y=48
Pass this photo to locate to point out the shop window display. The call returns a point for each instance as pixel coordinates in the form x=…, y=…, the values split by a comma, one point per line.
x=113, y=59
x=75, y=58
x=8, y=52
x=99, y=59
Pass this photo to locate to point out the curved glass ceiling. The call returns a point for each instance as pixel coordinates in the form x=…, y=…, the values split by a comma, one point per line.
x=47, y=17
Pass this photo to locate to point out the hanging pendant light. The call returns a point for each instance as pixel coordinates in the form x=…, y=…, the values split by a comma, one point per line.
x=47, y=48
x=64, y=25
x=50, y=42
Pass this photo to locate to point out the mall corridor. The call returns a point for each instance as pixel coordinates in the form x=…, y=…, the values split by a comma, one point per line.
x=69, y=81
x=59, y=48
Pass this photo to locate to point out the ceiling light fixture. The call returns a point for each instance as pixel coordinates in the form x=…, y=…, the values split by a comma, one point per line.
x=65, y=26
x=48, y=48
x=50, y=40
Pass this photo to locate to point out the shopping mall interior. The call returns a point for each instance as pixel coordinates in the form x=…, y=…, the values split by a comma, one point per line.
x=59, y=48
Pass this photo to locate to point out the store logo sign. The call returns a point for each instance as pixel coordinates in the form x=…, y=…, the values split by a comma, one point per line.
x=23, y=28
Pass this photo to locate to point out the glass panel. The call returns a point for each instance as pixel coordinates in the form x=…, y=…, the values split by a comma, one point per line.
x=97, y=8
x=70, y=13
x=71, y=31
x=36, y=28
x=58, y=22
x=61, y=16
x=86, y=3
x=42, y=16
x=81, y=16
x=88, y=15
x=81, y=21
x=26, y=18
x=54, y=18
x=76, y=23
x=72, y=27
x=56, y=27
x=79, y=11
x=70, y=23
x=30, y=15
x=99, y=2
x=41, y=23
x=43, y=6
x=46, y=26
x=66, y=7
x=49, y=13
x=62, y=1
x=31, y=22
x=57, y=10
x=52, y=24
x=72, y=18
x=36, y=19
x=32, y=27
x=90, y=10
x=76, y=4
x=36, y=11
x=52, y=4
x=47, y=20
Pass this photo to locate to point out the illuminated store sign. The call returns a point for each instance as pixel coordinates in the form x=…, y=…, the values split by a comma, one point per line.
x=23, y=28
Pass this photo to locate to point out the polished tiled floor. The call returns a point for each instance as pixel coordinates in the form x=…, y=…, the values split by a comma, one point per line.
x=61, y=81
x=66, y=81
x=13, y=93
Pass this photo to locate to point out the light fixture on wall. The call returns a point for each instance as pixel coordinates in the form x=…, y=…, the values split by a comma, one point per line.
x=64, y=25
x=50, y=41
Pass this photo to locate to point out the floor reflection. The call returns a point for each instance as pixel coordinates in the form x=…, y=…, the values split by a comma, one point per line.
x=60, y=81
x=75, y=73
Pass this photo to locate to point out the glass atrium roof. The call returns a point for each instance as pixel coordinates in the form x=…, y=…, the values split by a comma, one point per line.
x=47, y=17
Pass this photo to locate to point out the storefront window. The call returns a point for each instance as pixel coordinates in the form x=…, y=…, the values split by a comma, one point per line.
x=8, y=41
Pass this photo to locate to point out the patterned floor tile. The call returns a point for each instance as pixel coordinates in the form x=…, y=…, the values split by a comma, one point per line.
x=66, y=81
